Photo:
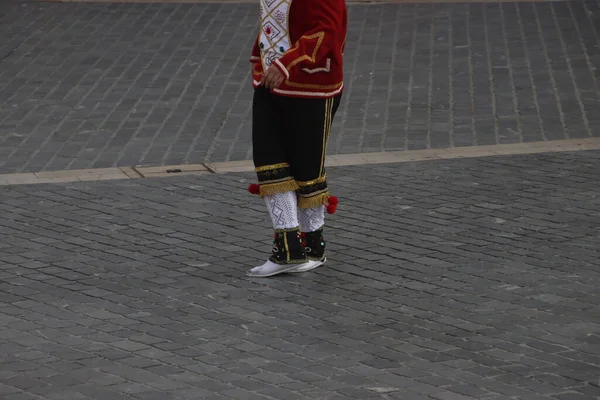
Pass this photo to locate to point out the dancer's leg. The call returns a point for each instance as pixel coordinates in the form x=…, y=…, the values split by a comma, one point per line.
x=277, y=185
x=310, y=126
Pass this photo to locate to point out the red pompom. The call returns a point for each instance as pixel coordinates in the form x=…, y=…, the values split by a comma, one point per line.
x=254, y=188
x=332, y=204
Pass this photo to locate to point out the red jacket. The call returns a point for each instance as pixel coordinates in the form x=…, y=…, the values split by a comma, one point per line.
x=313, y=66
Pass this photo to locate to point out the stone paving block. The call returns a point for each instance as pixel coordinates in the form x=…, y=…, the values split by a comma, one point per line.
x=418, y=76
x=108, y=317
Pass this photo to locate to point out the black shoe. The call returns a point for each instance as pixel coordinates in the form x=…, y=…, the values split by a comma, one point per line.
x=287, y=247
x=314, y=245
x=288, y=255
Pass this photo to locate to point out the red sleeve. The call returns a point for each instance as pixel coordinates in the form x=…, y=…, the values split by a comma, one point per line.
x=318, y=41
x=255, y=57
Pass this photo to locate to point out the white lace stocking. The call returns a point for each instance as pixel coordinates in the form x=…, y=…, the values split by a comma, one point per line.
x=311, y=219
x=283, y=209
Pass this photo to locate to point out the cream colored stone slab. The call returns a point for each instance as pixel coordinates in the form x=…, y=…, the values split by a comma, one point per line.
x=506, y=151
x=336, y=159
x=106, y=177
x=102, y=177
x=468, y=150
x=450, y=156
x=575, y=144
x=22, y=180
x=35, y=180
x=461, y=152
x=418, y=155
x=399, y=156
x=332, y=161
x=370, y=158
x=231, y=166
x=147, y=171
x=377, y=158
x=78, y=172
x=547, y=145
x=523, y=148
x=130, y=172
x=342, y=160
x=174, y=174
x=17, y=177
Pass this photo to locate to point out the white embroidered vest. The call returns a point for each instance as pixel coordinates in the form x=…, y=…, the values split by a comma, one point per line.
x=274, y=39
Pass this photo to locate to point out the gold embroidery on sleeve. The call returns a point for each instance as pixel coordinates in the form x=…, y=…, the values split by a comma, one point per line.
x=320, y=36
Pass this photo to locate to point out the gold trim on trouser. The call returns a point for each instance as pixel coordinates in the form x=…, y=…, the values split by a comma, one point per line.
x=271, y=167
x=274, y=181
x=281, y=187
x=286, y=184
x=313, y=182
x=326, y=131
x=319, y=197
x=317, y=200
x=275, y=178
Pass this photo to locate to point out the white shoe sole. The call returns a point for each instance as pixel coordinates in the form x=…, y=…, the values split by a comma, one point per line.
x=308, y=266
x=283, y=269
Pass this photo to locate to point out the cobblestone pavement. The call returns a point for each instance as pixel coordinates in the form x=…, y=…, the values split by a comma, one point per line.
x=99, y=85
x=454, y=279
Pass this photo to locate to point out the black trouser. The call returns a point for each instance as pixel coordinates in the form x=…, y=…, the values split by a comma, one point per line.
x=289, y=140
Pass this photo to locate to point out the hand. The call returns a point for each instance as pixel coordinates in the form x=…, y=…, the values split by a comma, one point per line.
x=272, y=78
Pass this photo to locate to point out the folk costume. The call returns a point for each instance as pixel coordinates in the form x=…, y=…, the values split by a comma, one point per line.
x=304, y=40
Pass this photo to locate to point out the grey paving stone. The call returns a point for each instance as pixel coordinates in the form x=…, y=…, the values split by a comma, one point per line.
x=99, y=85
x=107, y=317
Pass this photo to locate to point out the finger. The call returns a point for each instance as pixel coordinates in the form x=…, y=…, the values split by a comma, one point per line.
x=266, y=78
x=277, y=82
x=269, y=81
